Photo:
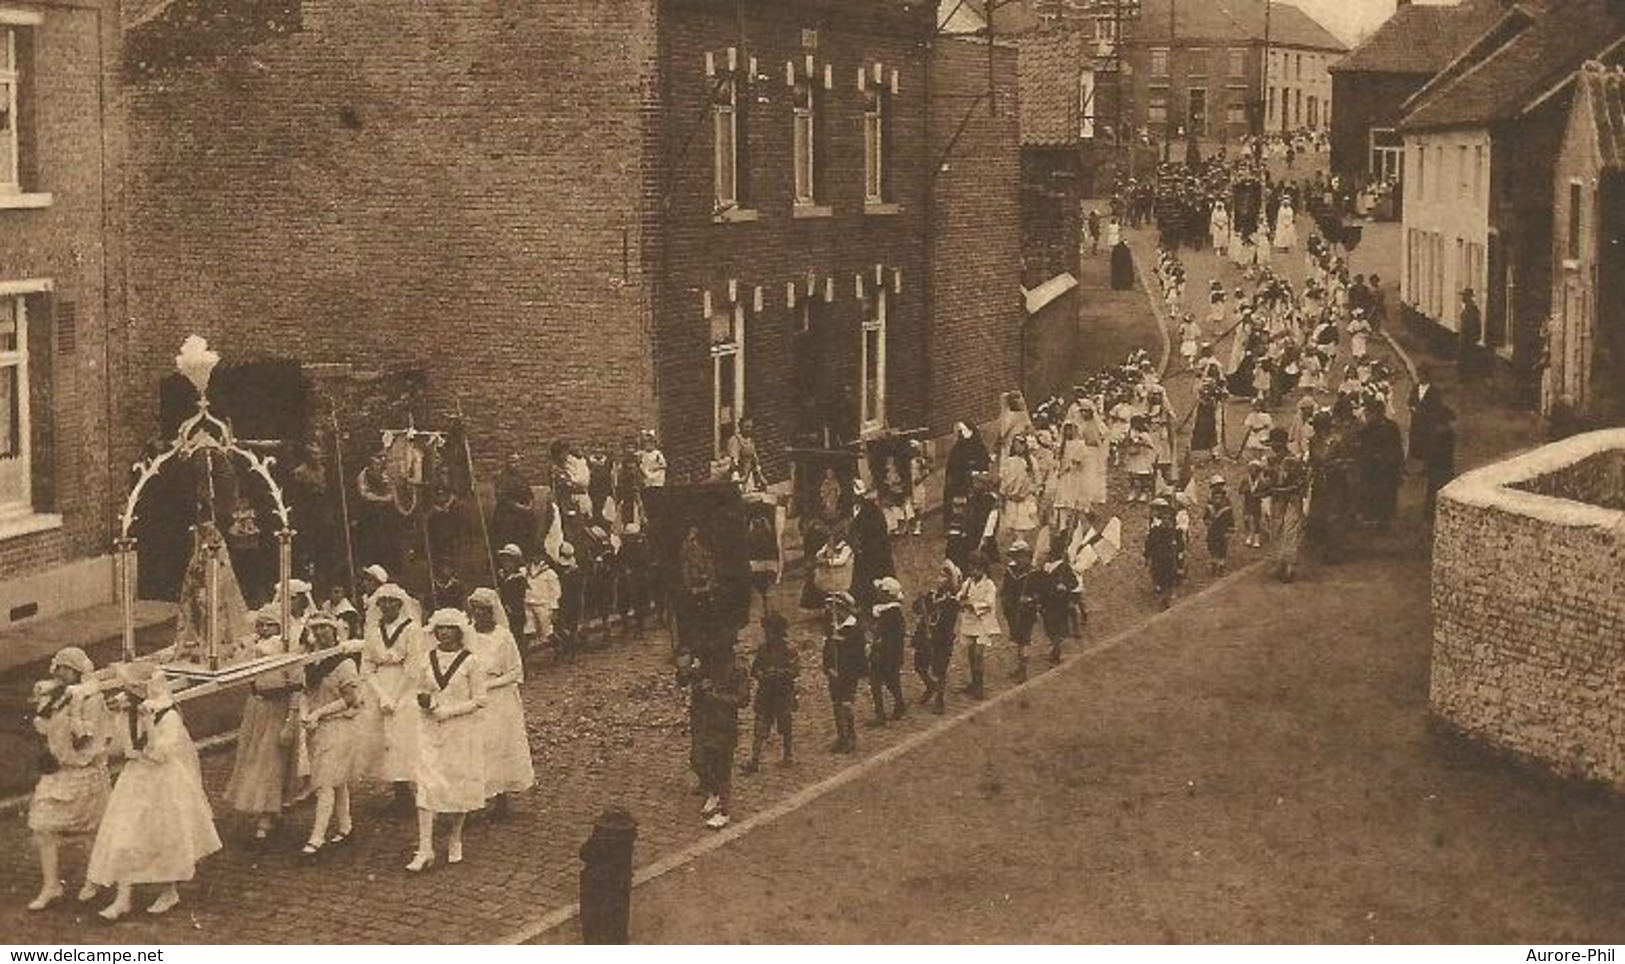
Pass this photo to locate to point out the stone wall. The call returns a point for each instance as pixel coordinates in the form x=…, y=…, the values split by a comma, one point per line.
x=1529, y=608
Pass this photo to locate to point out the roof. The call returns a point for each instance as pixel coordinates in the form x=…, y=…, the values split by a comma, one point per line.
x=1601, y=90
x=970, y=16
x=1236, y=21
x=1423, y=39
x=1507, y=81
x=1048, y=66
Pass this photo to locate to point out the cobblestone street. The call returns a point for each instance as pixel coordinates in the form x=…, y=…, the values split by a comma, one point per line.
x=609, y=728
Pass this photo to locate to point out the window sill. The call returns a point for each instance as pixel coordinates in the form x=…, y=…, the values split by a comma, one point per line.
x=805, y=211
x=735, y=216
x=883, y=208
x=1571, y=264
x=11, y=202
x=23, y=522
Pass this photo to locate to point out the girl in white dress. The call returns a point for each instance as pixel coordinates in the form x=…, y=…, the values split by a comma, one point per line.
x=388, y=721
x=158, y=823
x=449, y=686
x=508, y=767
x=1286, y=226
x=1068, y=478
x=72, y=791
x=1018, y=488
x=264, y=774
x=332, y=705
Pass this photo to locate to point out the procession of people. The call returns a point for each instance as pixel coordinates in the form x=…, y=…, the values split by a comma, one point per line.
x=420, y=696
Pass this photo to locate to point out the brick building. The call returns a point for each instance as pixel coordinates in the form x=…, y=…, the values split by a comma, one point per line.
x=1200, y=68
x=1372, y=83
x=1481, y=142
x=580, y=219
x=1586, y=351
x=61, y=271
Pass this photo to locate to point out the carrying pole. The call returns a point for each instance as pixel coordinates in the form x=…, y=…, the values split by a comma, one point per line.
x=344, y=503
x=479, y=507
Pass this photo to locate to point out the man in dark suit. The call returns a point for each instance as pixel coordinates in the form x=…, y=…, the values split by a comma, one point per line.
x=1425, y=403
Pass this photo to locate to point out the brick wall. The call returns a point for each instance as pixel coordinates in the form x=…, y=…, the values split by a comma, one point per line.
x=777, y=249
x=456, y=183
x=1529, y=609
x=977, y=245
x=69, y=64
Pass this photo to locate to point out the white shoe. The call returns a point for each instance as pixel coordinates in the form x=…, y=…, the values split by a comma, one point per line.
x=165, y=902
x=420, y=862
x=454, y=853
x=712, y=804
x=46, y=898
x=88, y=892
x=717, y=821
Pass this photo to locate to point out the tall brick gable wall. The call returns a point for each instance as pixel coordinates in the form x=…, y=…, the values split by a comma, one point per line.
x=777, y=249
x=1529, y=607
x=70, y=72
x=459, y=185
x=977, y=309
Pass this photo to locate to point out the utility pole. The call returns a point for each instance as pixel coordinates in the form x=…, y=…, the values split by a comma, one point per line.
x=1168, y=112
x=1264, y=93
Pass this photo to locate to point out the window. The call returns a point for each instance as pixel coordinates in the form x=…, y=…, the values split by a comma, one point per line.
x=806, y=104
x=1298, y=69
x=1313, y=116
x=1421, y=172
x=1438, y=170
x=1197, y=111
x=725, y=123
x=727, y=371
x=1105, y=30
x=873, y=389
x=1478, y=175
x=1198, y=62
x=1272, y=106
x=1576, y=197
x=874, y=147
x=1236, y=66
x=1387, y=159
x=1235, y=113
x=1297, y=107
x=1157, y=106
x=1159, y=61
x=1462, y=183
x=16, y=483
x=9, y=80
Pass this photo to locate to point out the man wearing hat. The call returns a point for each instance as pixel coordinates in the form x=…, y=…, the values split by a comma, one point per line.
x=845, y=662
x=1382, y=463
x=1288, y=480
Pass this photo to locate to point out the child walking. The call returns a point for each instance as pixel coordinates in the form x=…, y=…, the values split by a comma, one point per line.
x=158, y=823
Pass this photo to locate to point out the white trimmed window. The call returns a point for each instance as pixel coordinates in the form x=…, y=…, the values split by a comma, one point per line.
x=730, y=76
x=727, y=371
x=16, y=480
x=1159, y=61
x=873, y=376
x=10, y=79
x=806, y=142
x=1235, y=64
x=874, y=146
x=725, y=141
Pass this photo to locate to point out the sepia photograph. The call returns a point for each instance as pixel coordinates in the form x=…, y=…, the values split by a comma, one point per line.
x=873, y=473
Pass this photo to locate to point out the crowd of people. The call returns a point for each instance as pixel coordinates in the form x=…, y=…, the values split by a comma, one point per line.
x=424, y=699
